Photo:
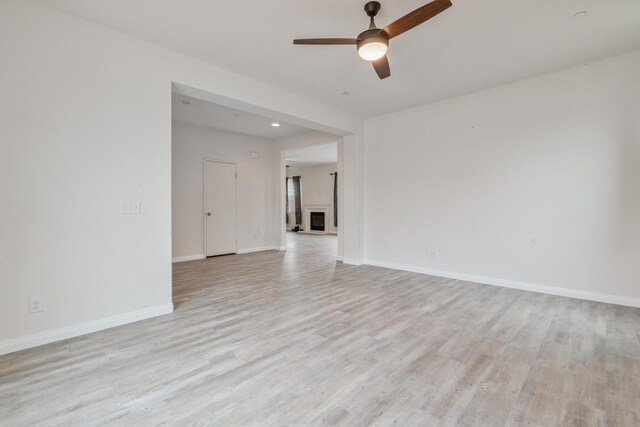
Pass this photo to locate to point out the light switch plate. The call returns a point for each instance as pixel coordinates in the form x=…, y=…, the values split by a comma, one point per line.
x=130, y=208
x=35, y=305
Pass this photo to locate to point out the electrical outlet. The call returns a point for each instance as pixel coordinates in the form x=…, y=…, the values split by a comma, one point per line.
x=35, y=305
x=130, y=208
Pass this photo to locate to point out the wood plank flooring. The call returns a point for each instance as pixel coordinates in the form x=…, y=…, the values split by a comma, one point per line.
x=292, y=339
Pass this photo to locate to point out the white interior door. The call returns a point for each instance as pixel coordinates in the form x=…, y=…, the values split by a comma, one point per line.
x=220, y=208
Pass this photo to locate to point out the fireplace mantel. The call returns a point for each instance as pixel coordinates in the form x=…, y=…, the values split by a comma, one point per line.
x=307, y=209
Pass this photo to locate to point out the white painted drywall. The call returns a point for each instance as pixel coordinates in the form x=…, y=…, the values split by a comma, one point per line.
x=316, y=188
x=191, y=145
x=313, y=156
x=308, y=139
x=85, y=124
x=536, y=182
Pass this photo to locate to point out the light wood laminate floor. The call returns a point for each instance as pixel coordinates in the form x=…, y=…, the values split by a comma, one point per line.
x=295, y=339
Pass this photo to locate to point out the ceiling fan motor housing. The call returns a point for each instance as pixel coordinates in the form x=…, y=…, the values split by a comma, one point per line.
x=372, y=36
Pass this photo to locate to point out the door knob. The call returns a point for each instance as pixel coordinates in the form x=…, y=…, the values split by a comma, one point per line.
x=208, y=213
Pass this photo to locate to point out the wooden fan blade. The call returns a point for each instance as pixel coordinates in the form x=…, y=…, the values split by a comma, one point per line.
x=382, y=67
x=416, y=17
x=325, y=41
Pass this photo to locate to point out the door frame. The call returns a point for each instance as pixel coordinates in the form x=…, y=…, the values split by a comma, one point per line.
x=204, y=198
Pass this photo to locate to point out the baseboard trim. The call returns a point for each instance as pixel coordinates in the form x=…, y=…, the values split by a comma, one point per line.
x=283, y=248
x=514, y=284
x=188, y=258
x=46, y=337
x=340, y=258
x=320, y=233
x=260, y=249
x=351, y=261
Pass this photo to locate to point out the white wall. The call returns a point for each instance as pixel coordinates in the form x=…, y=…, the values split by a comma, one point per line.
x=535, y=182
x=308, y=139
x=316, y=188
x=85, y=124
x=191, y=145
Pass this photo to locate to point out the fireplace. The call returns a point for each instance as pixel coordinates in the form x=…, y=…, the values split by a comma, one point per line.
x=316, y=219
x=316, y=222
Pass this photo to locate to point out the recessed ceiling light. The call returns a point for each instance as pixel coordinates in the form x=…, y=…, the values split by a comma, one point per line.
x=345, y=93
x=185, y=102
x=275, y=125
x=580, y=14
x=236, y=115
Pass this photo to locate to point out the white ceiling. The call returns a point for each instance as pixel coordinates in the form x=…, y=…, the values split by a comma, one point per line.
x=313, y=156
x=203, y=113
x=473, y=45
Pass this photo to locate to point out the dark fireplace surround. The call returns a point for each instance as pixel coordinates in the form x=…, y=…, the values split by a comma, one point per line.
x=316, y=221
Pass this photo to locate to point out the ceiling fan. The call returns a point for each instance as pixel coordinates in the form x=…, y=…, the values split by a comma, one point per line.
x=373, y=43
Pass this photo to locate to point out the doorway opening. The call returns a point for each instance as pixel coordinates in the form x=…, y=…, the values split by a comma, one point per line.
x=313, y=191
x=313, y=181
x=225, y=179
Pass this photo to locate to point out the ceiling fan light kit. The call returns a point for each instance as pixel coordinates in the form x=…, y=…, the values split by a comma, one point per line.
x=373, y=43
x=372, y=46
